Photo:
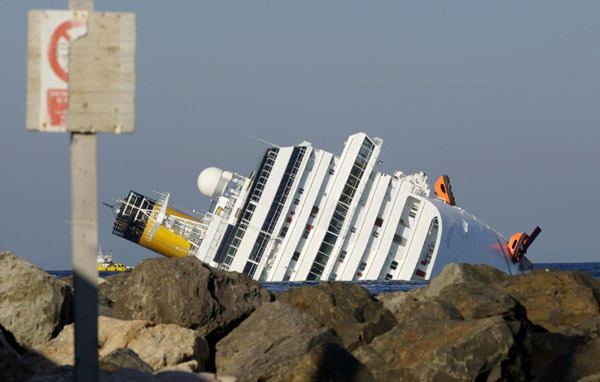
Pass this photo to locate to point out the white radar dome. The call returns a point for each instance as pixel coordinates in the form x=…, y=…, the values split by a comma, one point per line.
x=212, y=181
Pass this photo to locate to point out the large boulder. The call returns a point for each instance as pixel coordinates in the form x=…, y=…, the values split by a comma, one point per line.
x=589, y=328
x=590, y=378
x=548, y=347
x=270, y=342
x=328, y=362
x=457, y=273
x=187, y=293
x=109, y=289
x=478, y=300
x=123, y=358
x=34, y=306
x=556, y=300
x=405, y=307
x=575, y=365
x=349, y=309
x=158, y=345
x=486, y=349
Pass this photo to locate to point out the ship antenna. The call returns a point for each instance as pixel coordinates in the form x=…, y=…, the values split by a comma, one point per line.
x=261, y=140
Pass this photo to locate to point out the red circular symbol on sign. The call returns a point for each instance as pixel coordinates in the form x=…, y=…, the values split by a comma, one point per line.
x=61, y=31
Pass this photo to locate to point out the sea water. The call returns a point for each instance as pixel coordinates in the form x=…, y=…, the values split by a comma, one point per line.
x=377, y=287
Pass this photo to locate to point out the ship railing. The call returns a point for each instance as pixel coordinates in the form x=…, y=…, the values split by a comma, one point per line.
x=185, y=227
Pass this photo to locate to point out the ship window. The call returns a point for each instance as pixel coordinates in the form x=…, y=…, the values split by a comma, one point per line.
x=305, y=234
x=353, y=229
x=413, y=210
x=314, y=212
x=375, y=234
x=379, y=222
x=283, y=231
x=296, y=256
x=388, y=276
x=331, y=171
x=398, y=239
x=394, y=265
x=343, y=254
x=296, y=201
x=300, y=190
x=362, y=266
x=250, y=268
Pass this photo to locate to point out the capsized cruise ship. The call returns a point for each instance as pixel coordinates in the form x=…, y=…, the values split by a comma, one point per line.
x=306, y=214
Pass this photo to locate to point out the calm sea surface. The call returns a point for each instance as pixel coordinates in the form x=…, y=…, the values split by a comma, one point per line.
x=377, y=287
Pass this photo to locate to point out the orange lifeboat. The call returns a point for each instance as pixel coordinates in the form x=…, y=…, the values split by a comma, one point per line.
x=443, y=189
x=519, y=242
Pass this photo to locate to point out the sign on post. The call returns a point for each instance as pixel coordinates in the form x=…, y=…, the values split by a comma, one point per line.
x=81, y=71
x=50, y=36
x=81, y=79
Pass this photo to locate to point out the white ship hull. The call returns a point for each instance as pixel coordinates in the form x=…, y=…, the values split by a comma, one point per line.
x=305, y=214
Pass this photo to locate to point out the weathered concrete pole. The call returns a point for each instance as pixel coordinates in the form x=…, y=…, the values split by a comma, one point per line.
x=84, y=231
x=84, y=241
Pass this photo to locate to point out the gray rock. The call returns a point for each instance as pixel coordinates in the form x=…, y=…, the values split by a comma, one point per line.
x=108, y=291
x=349, y=309
x=488, y=349
x=13, y=367
x=579, y=363
x=188, y=293
x=327, y=363
x=588, y=328
x=479, y=300
x=590, y=378
x=123, y=358
x=159, y=345
x=34, y=306
x=548, y=347
x=270, y=342
x=405, y=307
x=69, y=280
x=461, y=273
x=556, y=300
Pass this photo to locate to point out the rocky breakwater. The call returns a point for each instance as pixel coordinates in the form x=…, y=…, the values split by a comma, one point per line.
x=477, y=323
x=177, y=319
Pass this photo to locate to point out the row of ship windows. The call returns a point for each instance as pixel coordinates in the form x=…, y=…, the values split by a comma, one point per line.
x=263, y=175
x=362, y=267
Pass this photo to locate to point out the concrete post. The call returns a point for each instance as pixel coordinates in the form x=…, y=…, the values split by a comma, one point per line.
x=84, y=231
x=84, y=239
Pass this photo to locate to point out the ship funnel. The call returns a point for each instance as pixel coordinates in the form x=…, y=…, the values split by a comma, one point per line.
x=212, y=181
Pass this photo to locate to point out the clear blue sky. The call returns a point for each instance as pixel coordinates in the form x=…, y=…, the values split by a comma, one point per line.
x=504, y=97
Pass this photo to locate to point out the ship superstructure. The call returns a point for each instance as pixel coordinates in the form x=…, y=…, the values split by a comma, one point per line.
x=306, y=214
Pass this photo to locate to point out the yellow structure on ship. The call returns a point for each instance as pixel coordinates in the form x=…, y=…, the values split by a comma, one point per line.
x=156, y=226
